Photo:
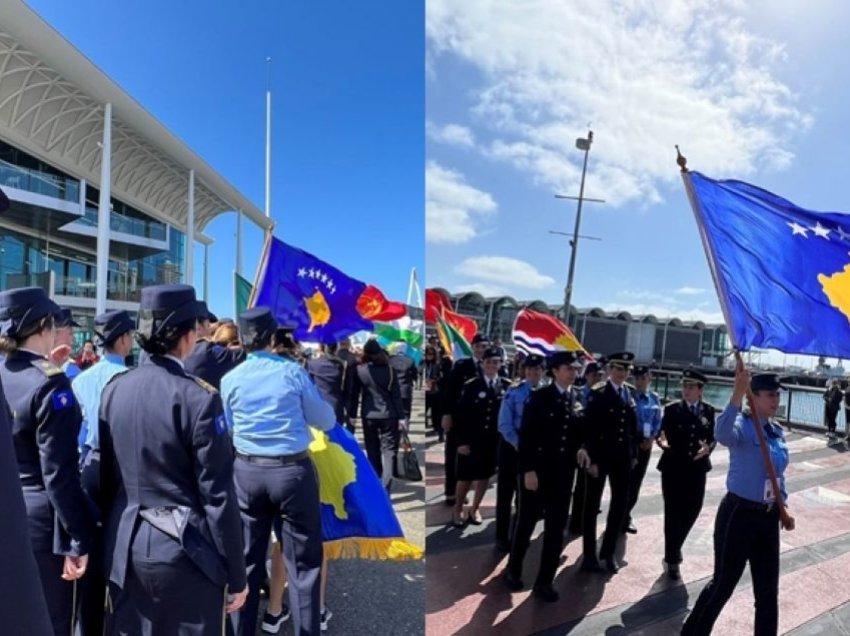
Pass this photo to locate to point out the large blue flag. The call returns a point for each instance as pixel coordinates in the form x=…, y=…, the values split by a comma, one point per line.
x=304, y=291
x=782, y=272
x=358, y=520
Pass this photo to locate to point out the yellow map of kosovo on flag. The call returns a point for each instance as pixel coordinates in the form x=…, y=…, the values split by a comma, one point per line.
x=358, y=520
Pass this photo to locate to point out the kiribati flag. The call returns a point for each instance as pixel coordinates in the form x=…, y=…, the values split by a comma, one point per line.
x=358, y=520
x=542, y=334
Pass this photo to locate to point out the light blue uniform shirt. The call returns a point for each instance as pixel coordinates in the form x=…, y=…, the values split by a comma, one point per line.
x=88, y=387
x=270, y=403
x=510, y=413
x=648, y=413
x=747, y=475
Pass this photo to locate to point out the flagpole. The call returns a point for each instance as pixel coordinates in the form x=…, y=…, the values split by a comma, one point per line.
x=261, y=268
x=268, y=136
x=785, y=518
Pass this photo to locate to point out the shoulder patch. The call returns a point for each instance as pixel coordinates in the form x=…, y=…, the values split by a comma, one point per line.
x=470, y=380
x=47, y=367
x=516, y=383
x=63, y=399
x=205, y=385
x=220, y=425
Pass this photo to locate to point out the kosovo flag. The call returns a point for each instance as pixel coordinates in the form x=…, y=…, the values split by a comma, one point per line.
x=358, y=520
x=317, y=299
x=782, y=272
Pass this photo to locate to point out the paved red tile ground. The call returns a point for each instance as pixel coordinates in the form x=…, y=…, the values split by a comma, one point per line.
x=465, y=595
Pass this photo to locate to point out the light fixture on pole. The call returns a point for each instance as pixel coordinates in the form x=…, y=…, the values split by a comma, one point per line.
x=582, y=143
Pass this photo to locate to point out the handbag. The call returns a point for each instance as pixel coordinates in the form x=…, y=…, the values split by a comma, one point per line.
x=406, y=462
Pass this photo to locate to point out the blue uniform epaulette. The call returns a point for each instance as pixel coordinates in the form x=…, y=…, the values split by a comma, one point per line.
x=47, y=367
x=516, y=383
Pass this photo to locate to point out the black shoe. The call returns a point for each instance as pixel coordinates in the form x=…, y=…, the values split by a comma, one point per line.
x=630, y=528
x=546, y=593
x=612, y=565
x=514, y=583
x=271, y=623
x=590, y=565
x=503, y=545
x=673, y=571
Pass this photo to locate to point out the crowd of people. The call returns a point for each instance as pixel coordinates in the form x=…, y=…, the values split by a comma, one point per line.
x=150, y=493
x=567, y=425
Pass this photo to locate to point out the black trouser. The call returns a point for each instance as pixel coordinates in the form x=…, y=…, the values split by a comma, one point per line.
x=92, y=587
x=506, y=488
x=618, y=475
x=683, y=489
x=831, y=415
x=743, y=531
x=164, y=591
x=290, y=491
x=635, y=481
x=577, y=514
x=451, y=464
x=381, y=438
x=552, y=497
x=432, y=402
x=58, y=592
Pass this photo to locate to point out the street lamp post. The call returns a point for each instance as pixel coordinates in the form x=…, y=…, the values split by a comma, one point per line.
x=582, y=143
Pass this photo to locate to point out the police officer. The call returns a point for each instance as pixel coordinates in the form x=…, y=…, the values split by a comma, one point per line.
x=648, y=407
x=45, y=425
x=510, y=421
x=270, y=402
x=548, y=443
x=687, y=439
x=334, y=380
x=462, y=371
x=608, y=452
x=592, y=376
x=748, y=519
x=477, y=434
x=174, y=551
x=64, y=343
x=209, y=361
x=114, y=330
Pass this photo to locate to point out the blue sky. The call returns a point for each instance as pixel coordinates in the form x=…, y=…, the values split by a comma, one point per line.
x=747, y=90
x=348, y=107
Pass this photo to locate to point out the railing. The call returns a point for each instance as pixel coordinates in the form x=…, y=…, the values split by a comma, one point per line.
x=51, y=185
x=128, y=225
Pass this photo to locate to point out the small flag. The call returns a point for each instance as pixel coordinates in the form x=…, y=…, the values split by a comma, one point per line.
x=538, y=333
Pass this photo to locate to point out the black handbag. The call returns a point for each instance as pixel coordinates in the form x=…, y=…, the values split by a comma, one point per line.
x=406, y=462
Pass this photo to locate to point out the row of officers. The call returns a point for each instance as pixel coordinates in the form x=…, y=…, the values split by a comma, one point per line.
x=555, y=444
x=161, y=524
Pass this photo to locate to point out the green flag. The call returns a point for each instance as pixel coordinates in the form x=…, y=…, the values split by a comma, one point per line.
x=241, y=293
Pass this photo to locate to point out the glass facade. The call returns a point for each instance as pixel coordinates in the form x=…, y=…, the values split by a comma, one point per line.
x=24, y=172
x=123, y=218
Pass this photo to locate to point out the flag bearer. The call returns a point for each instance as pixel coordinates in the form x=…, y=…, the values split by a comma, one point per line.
x=270, y=402
x=608, y=453
x=172, y=531
x=45, y=425
x=510, y=421
x=548, y=443
x=593, y=374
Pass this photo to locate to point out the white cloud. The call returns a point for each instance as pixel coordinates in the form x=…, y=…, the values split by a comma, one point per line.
x=648, y=75
x=451, y=206
x=504, y=270
x=662, y=311
x=691, y=291
x=450, y=134
x=485, y=289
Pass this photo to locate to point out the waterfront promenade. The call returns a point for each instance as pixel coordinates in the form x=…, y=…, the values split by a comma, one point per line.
x=466, y=597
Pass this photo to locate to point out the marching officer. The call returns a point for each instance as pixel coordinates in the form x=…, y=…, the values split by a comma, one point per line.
x=270, y=403
x=592, y=376
x=548, y=443
x=335, y=380
x=209, y=361
x=114, y=330
x=462, y=371
x=687, y=438
x=477, y=434
x=45, y=425
x=608, y=453
x=174, y=551
x=510, y=421
x=648, y=407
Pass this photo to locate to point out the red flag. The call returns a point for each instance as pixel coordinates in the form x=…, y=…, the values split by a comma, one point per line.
x=435, y=303
x=373, y=305
x=466, y=326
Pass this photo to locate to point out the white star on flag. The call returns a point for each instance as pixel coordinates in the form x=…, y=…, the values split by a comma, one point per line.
x=844, y=235
x=796, y=228
x=324, y=277
x=312, y=273
x=302, y=272
x=821, y=231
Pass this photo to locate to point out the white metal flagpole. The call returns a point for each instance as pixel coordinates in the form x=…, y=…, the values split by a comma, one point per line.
x=268, y=136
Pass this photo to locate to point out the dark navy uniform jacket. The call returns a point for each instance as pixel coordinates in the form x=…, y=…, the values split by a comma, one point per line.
x=550, y=435
x=170, y=454
x=684, y=431
x=335, y=381
x=479, y=411
x=45, y=424
x=463, y=370
x=210, y=362
x=405, y=370
x=611, y=431
x=23, y=611
x=378, y=386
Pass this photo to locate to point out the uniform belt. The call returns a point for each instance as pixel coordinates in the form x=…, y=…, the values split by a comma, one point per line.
x=752, y=505
x=279, y=460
